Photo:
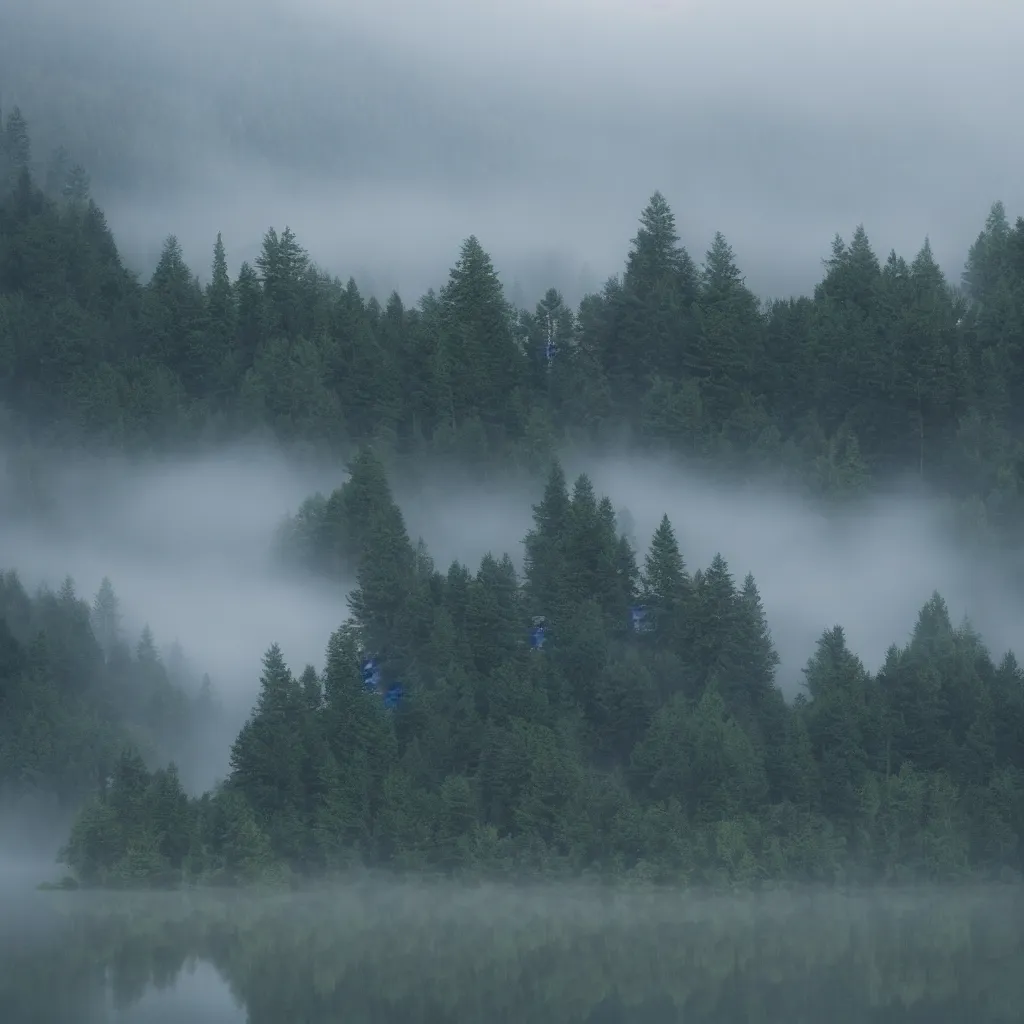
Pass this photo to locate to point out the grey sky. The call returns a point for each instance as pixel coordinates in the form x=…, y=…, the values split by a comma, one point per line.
x=386, y=132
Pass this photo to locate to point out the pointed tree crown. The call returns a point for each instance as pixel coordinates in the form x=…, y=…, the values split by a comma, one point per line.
x=656, y=256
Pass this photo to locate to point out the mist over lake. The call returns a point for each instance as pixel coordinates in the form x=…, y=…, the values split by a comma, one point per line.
x=418, y=952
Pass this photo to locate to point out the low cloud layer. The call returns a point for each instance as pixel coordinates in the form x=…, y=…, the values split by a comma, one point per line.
x=869, y=571
x=385, y=133
x=186, y=544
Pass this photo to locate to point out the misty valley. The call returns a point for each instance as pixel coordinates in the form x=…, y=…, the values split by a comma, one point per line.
x=545, y=756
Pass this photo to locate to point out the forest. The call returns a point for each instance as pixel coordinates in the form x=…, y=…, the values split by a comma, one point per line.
x=606, y=711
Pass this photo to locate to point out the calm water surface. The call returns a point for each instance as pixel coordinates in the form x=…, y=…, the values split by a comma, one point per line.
x=417, y=954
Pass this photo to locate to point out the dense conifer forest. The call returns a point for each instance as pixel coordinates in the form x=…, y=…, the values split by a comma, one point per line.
x=607, y=710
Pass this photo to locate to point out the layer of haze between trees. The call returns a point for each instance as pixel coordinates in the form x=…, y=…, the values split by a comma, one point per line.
x=188, y=545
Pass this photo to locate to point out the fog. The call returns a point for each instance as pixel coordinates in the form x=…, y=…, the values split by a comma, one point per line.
x=187, y=544
x=869, y=570
x=387, y=950
x=385, y=133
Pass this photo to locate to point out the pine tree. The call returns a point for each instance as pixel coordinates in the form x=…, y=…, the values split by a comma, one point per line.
x=126, y=791
x=493, y=617
x=220, y=302
x=650, y=330
x=76, y=185
x=836, y=720
x=756, y=657
x=267, y=756
x=726, y=770
x=283, y=266
x=591, y=553
x=361, y=741
x=106, y=617
x=220, y=358
x=383, y=599
x=175, y=316
x=169, y=816
x=721, y=278
x=987, y=258
x=486, y=365
x=729, y=325
x=656, y=256
x=918, y=713
x=853, y=273
x=545, y=557
x=666, y=588
x=253, y=318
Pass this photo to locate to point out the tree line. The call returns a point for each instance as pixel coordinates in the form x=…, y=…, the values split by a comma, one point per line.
x=885, y=369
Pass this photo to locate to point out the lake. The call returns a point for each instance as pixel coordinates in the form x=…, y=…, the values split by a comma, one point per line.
x=382, y=952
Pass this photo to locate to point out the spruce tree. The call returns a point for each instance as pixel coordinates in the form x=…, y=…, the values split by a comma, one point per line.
x=665, y=589
x=267, y=756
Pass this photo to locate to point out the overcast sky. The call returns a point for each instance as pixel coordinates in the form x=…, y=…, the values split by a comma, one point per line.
x=385, y=132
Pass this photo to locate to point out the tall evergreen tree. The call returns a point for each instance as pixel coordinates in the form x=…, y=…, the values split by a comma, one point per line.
x=267, y=756
x=665, y=588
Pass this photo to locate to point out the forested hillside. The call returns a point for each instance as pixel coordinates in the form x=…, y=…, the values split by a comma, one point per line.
x=594, y=716
x=74, y=692
x=610, y=711
x=885, y=369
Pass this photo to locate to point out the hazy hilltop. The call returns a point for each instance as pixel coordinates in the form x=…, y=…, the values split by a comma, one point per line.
x=667, y=583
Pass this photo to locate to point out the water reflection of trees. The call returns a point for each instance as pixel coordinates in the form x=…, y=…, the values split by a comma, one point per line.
x=423, y=956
